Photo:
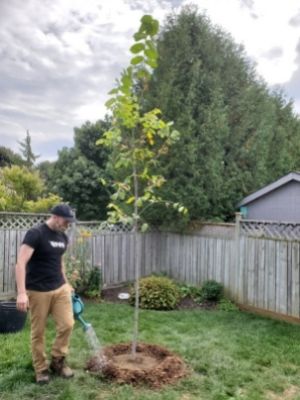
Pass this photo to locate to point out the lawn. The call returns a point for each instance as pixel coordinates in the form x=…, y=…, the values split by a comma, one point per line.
x=232, y=355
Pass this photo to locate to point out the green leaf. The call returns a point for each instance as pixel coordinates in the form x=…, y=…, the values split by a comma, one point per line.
x=152, y=63
x=151, y=53
x=126, y=80
x=139, y=36
x=144, y=227
x=149, y=25
x=137, y=48
x=143, y=74
x=137, y=60
x=114, y=196
x=103, y=181
x=110, y=102
x=130, y=200
x=114, y=91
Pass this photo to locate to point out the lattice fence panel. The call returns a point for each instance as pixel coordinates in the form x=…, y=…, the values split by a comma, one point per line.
x=20, y=220
x=24, y=221
x=271, y=230
x=103, y=227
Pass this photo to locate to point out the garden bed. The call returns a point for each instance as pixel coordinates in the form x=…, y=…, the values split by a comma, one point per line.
x=112, y=295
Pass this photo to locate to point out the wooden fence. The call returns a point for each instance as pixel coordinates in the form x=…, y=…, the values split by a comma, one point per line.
x=256, y=270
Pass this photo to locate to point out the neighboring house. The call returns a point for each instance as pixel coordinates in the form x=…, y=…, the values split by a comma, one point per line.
x=278, y=201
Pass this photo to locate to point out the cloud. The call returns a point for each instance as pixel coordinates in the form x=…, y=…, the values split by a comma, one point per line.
x=293, y=85
x=295, y=20
x=250, y=5
x=274, y=52
x=60, y=58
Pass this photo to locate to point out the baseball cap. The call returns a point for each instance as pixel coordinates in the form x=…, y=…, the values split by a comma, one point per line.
x=63, y=210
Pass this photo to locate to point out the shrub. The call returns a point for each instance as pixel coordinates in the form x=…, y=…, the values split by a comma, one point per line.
x=211, y=291
x=94, y=283
x=227, y=305
x=157, y=293
x=189, y=291
x=87, y=283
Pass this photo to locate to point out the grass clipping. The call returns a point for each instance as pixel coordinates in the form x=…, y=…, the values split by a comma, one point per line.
x=153, y=365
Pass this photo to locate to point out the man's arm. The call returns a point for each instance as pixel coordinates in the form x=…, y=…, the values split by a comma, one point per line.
x=63, y=270
x=24, y=256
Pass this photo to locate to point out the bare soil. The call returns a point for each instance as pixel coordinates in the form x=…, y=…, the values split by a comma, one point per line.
x=153, y=365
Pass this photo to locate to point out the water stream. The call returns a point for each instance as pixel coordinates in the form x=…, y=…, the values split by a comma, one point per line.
x=96, y=347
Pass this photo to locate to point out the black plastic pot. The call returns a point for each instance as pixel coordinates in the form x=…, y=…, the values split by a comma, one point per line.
x=11, y=319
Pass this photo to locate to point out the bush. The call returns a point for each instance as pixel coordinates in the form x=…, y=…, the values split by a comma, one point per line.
x=87, y=283
x=157, y=293
x=189, y=291
x=211, y=291
x=94, y=283
x=227, y=305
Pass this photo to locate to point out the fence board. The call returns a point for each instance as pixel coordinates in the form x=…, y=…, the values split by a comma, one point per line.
x=295, y=281
x=261, y=272
x=281, y=277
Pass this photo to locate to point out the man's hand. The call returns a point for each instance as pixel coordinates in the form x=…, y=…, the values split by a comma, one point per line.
x=22, y=302
x=70, y=287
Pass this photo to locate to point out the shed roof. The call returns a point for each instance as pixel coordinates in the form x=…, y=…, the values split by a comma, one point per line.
x=292, y=176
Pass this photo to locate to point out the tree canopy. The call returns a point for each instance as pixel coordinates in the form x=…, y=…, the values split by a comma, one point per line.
x=77, y=173
x=24, y=190
x=8, y=157
x=229, y=121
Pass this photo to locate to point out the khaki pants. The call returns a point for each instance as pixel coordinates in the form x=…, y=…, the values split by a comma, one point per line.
x=42, y=304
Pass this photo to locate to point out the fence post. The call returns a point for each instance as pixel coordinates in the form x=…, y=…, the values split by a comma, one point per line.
x=72, y=234
x=238, y=290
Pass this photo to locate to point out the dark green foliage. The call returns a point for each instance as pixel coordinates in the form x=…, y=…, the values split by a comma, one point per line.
x=94, y=283
x=76, y=175
x=157, y=293
x=9, y=158
x=85, y=139
x=89, y=283
x=211, y=291
x=46, y=169
x=236, y=136
x=77, y=180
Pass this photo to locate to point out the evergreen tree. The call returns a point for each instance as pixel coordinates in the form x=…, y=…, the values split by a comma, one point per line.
x=26, y=150
x=229, y=121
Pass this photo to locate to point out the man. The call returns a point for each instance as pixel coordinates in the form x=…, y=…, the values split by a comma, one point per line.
x=43, y=288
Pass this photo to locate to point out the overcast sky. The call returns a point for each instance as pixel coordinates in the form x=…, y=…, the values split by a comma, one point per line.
x=59, y=58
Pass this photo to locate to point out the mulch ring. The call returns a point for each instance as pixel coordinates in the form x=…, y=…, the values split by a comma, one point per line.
x=111, y=295
x=153, y=365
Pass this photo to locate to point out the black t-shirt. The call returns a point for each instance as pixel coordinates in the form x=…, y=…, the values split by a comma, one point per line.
x=43, y=271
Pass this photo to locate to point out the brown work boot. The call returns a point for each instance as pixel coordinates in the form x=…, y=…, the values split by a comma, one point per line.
x=42, y=377
x=58, y=366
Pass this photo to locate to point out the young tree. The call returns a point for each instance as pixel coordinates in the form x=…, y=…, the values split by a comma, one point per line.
x=26, y=151
x=137, y=140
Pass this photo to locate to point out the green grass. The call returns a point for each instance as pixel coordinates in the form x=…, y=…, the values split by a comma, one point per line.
x=232, y=355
